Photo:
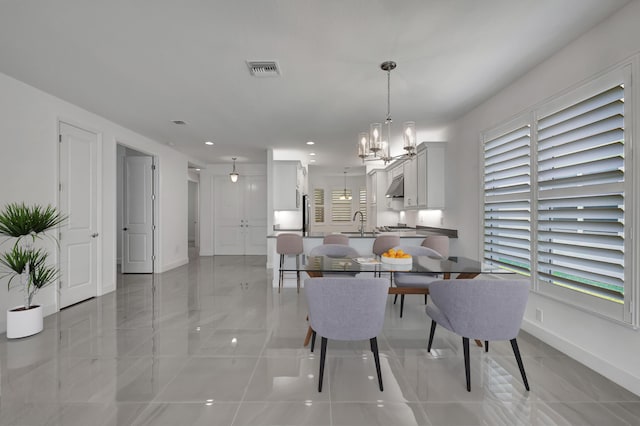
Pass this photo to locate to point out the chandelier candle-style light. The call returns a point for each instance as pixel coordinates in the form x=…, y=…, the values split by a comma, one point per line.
x=376, y=146
x=234, y=175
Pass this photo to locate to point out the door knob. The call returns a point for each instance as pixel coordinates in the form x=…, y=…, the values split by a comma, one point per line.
x=125, y=229
x=95, y=234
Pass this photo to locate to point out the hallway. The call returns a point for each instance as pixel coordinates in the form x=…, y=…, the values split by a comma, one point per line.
x=210, y=343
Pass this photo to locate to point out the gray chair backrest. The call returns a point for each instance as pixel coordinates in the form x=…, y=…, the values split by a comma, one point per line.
x=439, y=243
x=481, y=309
x=289, y=244
x=336, y=239
x=383, y=243
x=334, y=250
x=347, y=308
x=420, y=251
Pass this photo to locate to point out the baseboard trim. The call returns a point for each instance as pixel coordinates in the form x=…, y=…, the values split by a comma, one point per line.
x=610, y=371
x=173, y=265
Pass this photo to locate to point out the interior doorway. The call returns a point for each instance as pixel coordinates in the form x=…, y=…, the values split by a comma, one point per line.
x=193, y=214
x=135, y=211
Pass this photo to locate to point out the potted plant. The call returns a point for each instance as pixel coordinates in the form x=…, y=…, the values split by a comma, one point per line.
x=25, y=265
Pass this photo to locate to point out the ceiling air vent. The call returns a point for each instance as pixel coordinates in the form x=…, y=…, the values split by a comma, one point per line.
x=263, y=68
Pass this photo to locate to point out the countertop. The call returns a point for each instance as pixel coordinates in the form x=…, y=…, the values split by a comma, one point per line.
x=419, y=231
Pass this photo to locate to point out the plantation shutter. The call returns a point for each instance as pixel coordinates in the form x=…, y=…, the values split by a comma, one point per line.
x=581, y=208
x=507, y=193
x=341, y=207
x=363, y=203
x=318, y=205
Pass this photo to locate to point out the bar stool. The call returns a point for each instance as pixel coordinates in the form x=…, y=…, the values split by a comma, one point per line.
x=289, y=245
x=439, y=243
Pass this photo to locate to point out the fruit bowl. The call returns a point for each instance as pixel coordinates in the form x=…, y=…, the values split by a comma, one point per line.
x=396, y=260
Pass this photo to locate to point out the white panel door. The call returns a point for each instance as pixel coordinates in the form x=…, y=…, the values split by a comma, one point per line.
x=229, y=215
x=255, y=226
x=241, y=215
x=79, y=200
x=137, y=250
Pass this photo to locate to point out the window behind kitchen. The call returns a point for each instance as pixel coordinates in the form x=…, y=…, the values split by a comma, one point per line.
x=561, y=217
x=318, y=205
x=341, y=205
x=363, y=203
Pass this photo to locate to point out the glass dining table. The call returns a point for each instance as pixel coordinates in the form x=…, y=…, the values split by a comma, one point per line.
x=462, y=267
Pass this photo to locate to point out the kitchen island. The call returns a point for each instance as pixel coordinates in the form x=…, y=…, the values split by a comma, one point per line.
x=363, y=243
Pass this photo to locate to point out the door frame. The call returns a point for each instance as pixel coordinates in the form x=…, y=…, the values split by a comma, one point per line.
x=197, y=211
x=154, y=205
x=99, y=203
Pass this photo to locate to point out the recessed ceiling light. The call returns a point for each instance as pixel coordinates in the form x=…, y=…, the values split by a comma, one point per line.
x=312, y=153
x=208, y=143
x=197, y=170
x=312, y=160
x=179, y=122
x=311, y=143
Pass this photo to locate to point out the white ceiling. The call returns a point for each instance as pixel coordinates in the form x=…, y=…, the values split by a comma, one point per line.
x=144, y=63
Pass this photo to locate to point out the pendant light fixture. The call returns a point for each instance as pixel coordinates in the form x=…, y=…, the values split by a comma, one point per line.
x=345, y=195
x=375, y=145
x=234, y=175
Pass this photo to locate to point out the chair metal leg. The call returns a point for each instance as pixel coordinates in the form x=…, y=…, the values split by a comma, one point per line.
x=395, y=299
x=425, y=299
x=298, y=271
x=516, y=352
x=467, y=366
x=281, y=274
x=323, y=353
x=486, y=346
x=433, y=330
x=376, y=357
x=401, y=304
x=313, y=340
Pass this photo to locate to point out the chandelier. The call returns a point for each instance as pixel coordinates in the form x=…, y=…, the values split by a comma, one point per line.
x=374, y=146
x=345, y=195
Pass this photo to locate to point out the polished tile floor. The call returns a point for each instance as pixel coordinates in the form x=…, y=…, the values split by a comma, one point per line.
x=211, y=343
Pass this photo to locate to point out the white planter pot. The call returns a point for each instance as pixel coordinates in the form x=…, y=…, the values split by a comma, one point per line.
x=21, y=323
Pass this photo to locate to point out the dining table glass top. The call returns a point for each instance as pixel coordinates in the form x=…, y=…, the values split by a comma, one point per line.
x=420, y=264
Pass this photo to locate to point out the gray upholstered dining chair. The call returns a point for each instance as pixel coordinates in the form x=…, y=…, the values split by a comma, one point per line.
x=414, y=280
x=334, y=250
x=347, y=309
x=439, y=243
x=336, y=239
x=337, y=251
x=479, y=309
x=289, y=245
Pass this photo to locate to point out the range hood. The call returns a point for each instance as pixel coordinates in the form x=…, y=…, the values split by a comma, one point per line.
x=396, y=189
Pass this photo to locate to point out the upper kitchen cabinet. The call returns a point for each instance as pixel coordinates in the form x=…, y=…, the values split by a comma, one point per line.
x=287, y=185
x=377, y=185
x=410, y=168
x=430, y=163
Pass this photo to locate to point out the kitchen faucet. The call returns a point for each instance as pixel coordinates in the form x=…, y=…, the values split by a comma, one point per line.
x=361, y=222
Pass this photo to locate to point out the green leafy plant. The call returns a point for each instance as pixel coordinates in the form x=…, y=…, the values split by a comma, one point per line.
x=19, y=221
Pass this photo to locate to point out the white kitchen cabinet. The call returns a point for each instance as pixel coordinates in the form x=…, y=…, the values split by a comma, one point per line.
x=430, y=163
x=286, y=185
x=410, y=183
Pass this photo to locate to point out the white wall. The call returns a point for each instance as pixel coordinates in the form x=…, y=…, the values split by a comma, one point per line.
x=29, y=172
x=609, y=348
